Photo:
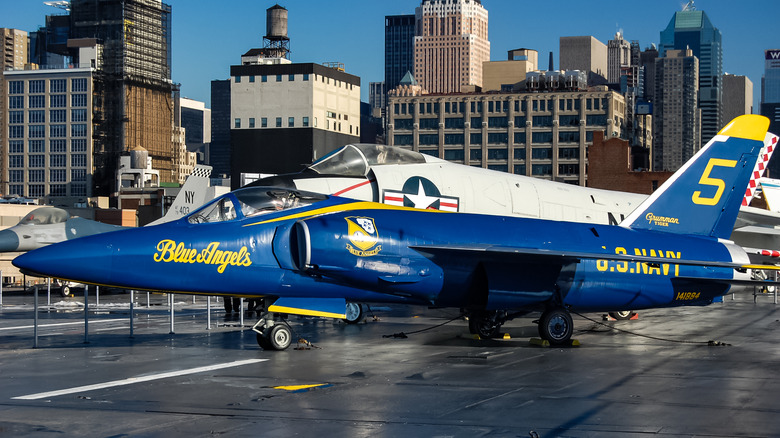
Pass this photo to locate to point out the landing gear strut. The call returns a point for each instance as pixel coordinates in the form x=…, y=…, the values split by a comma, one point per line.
x=272, y=335
x=556, y=326
x=486, y=323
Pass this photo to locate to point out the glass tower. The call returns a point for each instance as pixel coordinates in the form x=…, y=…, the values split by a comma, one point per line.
x=692, y=29
x=399, y=48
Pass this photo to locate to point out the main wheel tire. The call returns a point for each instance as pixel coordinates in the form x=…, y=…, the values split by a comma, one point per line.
x=354, y=313
x=556, y=326
x=483, y=328
x=65, y=291
x=280, y=337
x=622, y=315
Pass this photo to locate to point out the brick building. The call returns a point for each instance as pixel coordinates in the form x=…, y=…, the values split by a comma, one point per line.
x=610, y=165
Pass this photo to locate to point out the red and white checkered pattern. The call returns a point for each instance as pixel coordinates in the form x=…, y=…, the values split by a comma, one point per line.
x=770, y=143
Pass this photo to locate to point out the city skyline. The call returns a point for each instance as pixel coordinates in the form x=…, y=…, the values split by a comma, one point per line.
x=208, y=40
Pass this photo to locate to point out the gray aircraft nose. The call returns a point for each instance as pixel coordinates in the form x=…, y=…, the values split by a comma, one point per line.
x=9, y=241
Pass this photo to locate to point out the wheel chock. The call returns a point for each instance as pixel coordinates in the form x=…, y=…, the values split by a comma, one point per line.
x=506, y=336
x=546, y=344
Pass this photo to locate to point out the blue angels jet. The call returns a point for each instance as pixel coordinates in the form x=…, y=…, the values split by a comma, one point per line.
x=308, y=254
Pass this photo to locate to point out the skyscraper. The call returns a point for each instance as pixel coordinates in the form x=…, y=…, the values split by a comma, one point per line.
x=676, y=123
x=737, y=96
x=692, y=29
x=770, y=99
x=618, y=57
x=450, y=45
x=399, y=48
x=584, y=53
x=13, y=55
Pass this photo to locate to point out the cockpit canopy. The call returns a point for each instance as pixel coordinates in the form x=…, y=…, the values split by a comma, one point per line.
x=356, y=159
x=252, y=201
x=45, y=216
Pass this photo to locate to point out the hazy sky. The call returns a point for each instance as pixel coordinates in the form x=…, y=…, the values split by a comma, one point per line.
x=211, y=35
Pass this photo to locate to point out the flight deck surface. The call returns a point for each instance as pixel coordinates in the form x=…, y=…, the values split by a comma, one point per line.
x=350, y=380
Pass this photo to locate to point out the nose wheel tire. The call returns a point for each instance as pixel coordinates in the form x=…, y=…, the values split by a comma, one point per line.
x=280, y=337
x=556, y=326
x=65, y=291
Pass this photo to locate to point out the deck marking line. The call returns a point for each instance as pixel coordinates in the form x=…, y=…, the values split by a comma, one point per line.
x=132, y=380
x=18, y=327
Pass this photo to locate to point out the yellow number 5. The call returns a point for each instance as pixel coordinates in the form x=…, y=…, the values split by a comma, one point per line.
x=707, y=181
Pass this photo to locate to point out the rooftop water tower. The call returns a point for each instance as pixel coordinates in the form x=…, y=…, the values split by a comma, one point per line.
x=276, y=43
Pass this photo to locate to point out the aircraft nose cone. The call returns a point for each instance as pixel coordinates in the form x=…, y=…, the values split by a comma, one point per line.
x=81, y=259
x=9, y=241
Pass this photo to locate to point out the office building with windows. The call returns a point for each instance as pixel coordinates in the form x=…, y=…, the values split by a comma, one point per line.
x=50, y=134
x=737, y=96
x=285, y=115
x=450, y=44
x=544, y=135
x=584, y=53
x=770, y=99
x=677, y=127
x=399, y=48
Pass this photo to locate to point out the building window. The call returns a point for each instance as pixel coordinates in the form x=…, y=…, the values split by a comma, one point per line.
x=238, y=79
x=57, y=145
x=278, y=78
x=429, y=123
x=78, y=190
x=305, y=122
x=57, y=190
x=16, y=87
x=251, y=122
x=16, y=131
x=37, y=146
x=519, y=169
x=77, y=100
x=541, y=169
x=37, y=190
x=541, y=137
x=39, y=101
x=541, y=153
x=237, y=123
x=37, y=116
x=596, y=119
x=16, y=189
x=15, y=102
x=16, y=176
x=57, y=101
x=290, y=122
x=291, y=78
x=305, y=76
x=36, y=176
x=568, y=153
x=475, y=138
x=519, y=137
x=475, y=154
x=78, y=84
x=78, y=145
x=263, y=78
x=497, y=154
x=519, y=154
x=454, y=123
x=57, y=86
x=57, y=131
x=78, y=160
x=36, y=161
x=16, y=117
x=16, y=146
x=498, y=138
x=36, y=131
x=403, y=140
x=78, y=130
x=15, y=161
x=454, y=139
x=57, y=116
x=569, y=137
x=278, y=122
x=57, y=175
x=78, y=115
x=545, y=121
x=37, y=86
x=79, y=175
x=57, y=160
x=403, y=124
x=264, y=122
x=251, y=78
x=455, y=154
x=569, y=169
x=498, y=122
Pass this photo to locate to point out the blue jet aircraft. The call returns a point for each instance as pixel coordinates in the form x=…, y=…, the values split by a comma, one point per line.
x=307, y=253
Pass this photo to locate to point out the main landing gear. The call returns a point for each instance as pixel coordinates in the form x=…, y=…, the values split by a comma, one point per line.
x=555, y=324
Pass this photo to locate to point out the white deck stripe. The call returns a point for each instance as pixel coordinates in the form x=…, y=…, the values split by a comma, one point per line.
x=19, y=327
x=132, y=380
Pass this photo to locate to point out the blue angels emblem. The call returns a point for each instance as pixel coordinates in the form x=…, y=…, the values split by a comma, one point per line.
x=363, y=237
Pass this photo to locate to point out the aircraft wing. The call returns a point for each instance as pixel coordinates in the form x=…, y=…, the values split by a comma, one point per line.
x=757, y=216
x=435, y=252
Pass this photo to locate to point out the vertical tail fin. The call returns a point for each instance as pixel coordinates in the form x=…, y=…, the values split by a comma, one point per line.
x=704, y=196
x=191, y=195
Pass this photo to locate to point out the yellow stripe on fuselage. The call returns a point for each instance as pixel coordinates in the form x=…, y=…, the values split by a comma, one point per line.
x=305, y=312
x=360, y=205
